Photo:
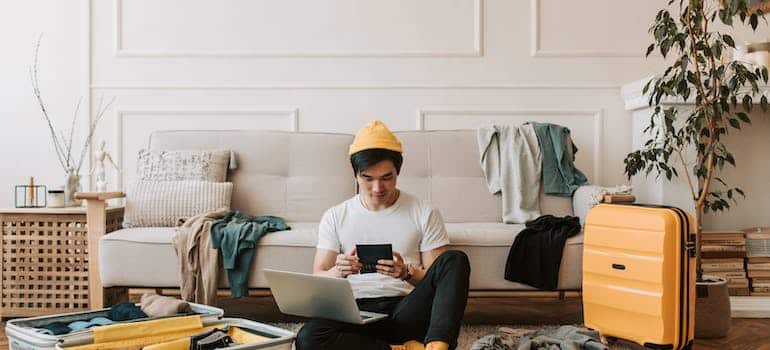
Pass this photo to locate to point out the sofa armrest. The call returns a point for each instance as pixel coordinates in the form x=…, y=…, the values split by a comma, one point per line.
x=101, y=220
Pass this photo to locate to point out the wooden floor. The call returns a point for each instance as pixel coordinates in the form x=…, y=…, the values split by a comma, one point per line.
x=745, y=334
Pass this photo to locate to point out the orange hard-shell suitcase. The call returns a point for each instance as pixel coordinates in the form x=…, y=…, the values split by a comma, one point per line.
x=639, y=274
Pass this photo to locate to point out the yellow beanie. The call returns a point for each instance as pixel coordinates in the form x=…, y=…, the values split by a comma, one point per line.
x=374, y=135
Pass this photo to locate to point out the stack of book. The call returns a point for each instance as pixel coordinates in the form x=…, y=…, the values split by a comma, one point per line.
x=722, y=254
x=758, y=259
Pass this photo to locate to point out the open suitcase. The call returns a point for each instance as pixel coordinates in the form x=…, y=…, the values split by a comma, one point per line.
x=23, y=334
x=639, y=274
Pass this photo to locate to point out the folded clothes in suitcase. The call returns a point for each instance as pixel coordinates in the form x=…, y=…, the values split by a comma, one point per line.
x=639, y=274
x=164, y=333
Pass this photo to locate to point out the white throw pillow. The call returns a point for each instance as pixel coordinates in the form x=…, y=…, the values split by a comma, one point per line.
x=202, y=165
x=162, y=203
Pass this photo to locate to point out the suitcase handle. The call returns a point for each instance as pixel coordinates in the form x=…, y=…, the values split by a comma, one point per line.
x=618, y=266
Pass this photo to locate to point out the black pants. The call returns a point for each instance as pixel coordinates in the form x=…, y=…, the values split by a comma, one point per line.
x=432, y=311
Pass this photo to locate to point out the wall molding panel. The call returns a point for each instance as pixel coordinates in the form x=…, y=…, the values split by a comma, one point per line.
x=477, y=47
x=371, y=86
x=536, y=45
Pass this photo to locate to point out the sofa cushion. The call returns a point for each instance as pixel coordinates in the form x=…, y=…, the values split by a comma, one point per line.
x=138, y=257
x=490, y=234
x=201, y=165
x=486, y=244
x=443, y=168
x=289, y=250
x=162, y=203
x=296, y=176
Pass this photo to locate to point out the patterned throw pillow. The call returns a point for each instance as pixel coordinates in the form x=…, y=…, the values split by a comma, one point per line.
x=162, y=203
x=183, y=165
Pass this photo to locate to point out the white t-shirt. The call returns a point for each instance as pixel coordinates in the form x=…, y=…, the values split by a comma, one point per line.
x=411, y=225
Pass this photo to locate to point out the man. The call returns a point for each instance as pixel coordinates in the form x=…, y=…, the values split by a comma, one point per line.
x=423, y=289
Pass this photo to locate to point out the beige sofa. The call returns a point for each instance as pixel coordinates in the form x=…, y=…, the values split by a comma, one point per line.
x=298, y=176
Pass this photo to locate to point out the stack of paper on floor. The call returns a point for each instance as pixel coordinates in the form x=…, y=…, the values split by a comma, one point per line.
x=758, y=259
x=722, y=255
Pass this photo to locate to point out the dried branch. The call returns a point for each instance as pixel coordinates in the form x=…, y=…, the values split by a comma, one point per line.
x=91, y=129
x=36, y=91
x=60, y=141
x=72, y=130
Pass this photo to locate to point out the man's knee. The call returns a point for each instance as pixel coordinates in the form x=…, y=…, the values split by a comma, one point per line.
x=313, y=335
x=457, y=259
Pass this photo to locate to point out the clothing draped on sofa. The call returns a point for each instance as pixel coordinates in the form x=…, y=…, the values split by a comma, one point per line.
x=198, y=270
x=560, y=177
x=511, y=160
x=535, y=255
x=236, y=235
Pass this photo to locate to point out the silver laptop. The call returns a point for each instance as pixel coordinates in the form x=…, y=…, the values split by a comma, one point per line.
x=309, y=295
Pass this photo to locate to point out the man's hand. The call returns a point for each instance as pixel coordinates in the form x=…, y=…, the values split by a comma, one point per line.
x=347, y=264
x=394, y=268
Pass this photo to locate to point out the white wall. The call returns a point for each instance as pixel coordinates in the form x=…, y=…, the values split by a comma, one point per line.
x=332, y=65
x=25, y=145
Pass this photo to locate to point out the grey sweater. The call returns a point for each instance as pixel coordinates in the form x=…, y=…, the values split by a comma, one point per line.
x=511, y=160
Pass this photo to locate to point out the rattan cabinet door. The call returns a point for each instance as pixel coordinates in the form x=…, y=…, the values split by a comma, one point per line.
x=44, y=259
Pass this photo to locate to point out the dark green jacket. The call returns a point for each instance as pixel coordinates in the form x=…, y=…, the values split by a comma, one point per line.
x=236, y=236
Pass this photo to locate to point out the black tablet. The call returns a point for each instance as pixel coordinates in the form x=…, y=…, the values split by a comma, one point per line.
x=368, y=254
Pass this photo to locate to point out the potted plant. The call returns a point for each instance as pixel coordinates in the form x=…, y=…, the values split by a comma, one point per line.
x=689, y=142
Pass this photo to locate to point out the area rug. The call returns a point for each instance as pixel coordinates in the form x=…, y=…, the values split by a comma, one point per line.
x=469, y=333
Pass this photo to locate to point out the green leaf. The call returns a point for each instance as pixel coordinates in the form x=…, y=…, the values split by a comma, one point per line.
x=730, y=159
x=740, y=191
x=665, y=45
x=728, y=40
x=763, y=103
x=744, y=117
x=649, y=49
x=747, y=103
x=754, y=21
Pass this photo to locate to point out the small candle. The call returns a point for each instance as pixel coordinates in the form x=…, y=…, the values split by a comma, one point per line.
x=55, y=198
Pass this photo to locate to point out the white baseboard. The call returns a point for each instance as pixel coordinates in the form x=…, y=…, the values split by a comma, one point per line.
x=750, y=307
